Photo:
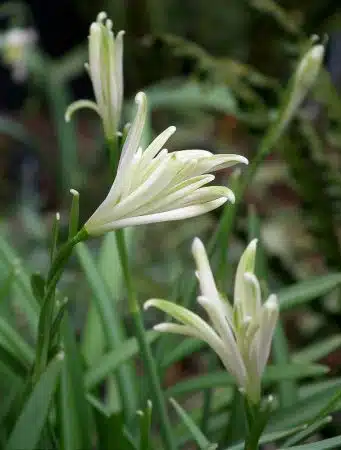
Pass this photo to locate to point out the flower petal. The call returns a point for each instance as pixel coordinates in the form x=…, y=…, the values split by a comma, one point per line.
x=95, y=229
x=246, y=264
x=267, y=327
x=79, y=104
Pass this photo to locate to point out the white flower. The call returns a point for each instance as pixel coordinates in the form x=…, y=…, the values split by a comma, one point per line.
x=16, y=45
x=156, y=186
x=240, y=335
x=105, y=68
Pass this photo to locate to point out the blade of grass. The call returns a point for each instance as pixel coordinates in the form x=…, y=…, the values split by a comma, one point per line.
x=112, y=326
x=30, y=423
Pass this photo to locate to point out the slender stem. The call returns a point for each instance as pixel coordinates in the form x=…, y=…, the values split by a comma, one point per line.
x=46, y=313
x=150, y=366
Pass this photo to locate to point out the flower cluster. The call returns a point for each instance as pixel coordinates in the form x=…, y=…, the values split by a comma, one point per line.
x=156, y=186
x=240, y=335
x=105, y=68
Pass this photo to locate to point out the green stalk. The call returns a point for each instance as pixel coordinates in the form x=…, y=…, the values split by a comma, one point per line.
x=140, y=333
x=46, y=313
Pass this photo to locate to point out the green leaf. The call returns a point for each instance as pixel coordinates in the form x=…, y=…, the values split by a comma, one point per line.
x=280, y=350
x=111, y=324
x=13, y=363
x=38, y=286
x=191, y=94
x=318, y=350
x=326, y=444
x=313, y=399
x=23, y=293
x=187, y=346
x=145, y=424
x=200, y=439
x=74, y=413
x=112, y=433
x=11, y=340
x=302, y=435
x=308, y=290
x=110, y=362
x=272, y=374
x=293, y=372
x=28, y=428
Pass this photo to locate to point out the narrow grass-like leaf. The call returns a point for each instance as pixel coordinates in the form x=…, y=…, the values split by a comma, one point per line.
x=187, y=347
x=74, y=385
x=38, y=286
x=200, y=439
x=145, y=424
x=12, y=362
x=109, y=363
x=287, y=389
x=11, y=340
x=326, y=444
x=28, y=428
x=66, y=413
x=318, y=350
x=112, y=326
x=21, y=282
x=305, y=291
x=222, y=378
x=307, y=409
x=112, y=433
x=304, y=434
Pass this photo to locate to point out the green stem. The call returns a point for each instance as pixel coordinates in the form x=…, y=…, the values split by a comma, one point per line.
x=46, y=313
x=140, y=333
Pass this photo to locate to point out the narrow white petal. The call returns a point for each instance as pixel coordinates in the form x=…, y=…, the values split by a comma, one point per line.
x=207, y=194
x=95, y=62
x=130, y=146
x=267, y=327
x=119, y=70
x=246, y=264
x=217, y=162
x=232, y=356
x=143, y=193
x=157, y=144
x=194, y=154
x=80, y=104
x=253, y=302
x=94, y=228
x=196, y=327
x=173, y=200
x=207, y=284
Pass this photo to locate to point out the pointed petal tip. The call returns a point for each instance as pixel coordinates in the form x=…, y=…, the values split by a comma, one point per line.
x=253, y=244
x=74, y=192
x=272, y=303
x=140, y=98
x=148, y=304
x=244, y=160
x=120, y=34
x=101, y=16
x=163, y=327
x=197, y=246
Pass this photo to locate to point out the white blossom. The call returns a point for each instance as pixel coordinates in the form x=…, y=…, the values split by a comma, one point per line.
x=240, y=335
x=16, y=45
x=156, y=186
x=105, y=68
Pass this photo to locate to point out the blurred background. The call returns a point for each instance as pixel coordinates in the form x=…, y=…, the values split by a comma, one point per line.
x=217, y=70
